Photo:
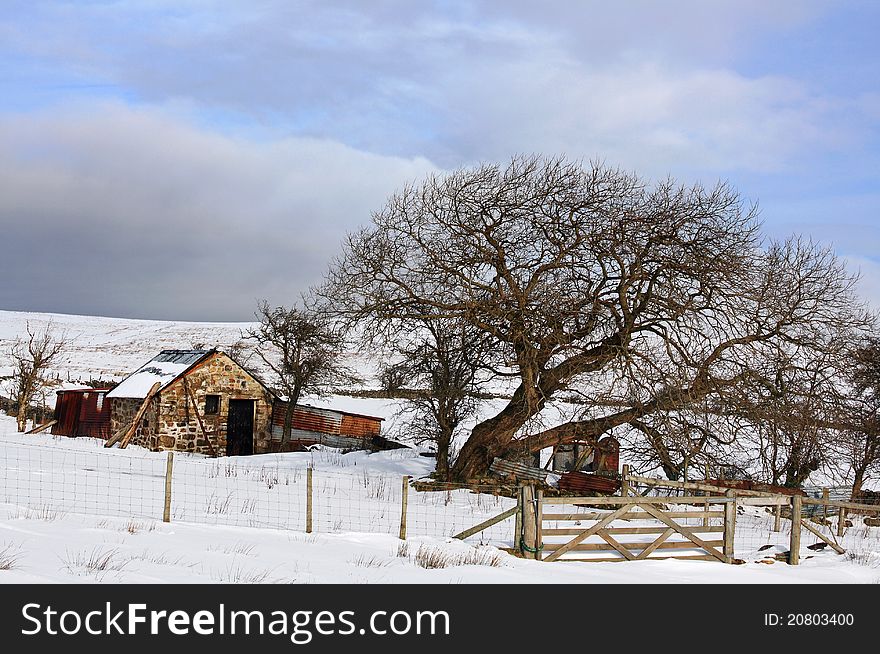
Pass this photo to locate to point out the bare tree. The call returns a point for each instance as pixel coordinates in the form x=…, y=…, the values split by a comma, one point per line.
x=861, y=442
x=32, y=356
x=656, y=299
x=303, y=351
x=444, y=361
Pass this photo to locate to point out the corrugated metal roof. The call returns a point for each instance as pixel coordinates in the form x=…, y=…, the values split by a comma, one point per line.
x=164, y=368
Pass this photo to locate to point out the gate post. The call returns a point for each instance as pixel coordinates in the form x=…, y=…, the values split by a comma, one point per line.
x=729, y=525
x=517, y=526
x=528, y=543
x=309, y=500
x=794, y=556
x=169, y=466
x=539, y=519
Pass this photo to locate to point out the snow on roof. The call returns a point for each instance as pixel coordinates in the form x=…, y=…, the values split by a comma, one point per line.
x=167, y=366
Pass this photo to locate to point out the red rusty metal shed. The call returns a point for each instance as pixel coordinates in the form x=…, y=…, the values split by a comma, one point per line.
x=82, y=412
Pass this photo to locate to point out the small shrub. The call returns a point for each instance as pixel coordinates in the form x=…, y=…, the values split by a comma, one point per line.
x=236, y=548
x=43, y=512
x=363, y=561
x=134, y=527
x=436, y=558
x=235, y=574
x=9, y=556
x=94, y=562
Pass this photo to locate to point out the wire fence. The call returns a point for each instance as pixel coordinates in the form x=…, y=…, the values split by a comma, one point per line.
x=270, y=491
x=763, y=530
x=279, y=492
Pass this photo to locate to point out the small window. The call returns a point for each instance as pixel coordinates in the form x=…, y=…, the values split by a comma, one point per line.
x=212, y=405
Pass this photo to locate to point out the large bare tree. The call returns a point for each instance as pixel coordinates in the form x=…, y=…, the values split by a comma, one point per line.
x=655, y=297
x=32, y=355
x=302, y=349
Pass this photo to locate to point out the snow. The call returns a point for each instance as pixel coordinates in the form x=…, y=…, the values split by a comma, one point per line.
x=163, y=368
x=73, y=511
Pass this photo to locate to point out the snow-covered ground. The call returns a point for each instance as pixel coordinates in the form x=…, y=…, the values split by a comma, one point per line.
x=72, y=511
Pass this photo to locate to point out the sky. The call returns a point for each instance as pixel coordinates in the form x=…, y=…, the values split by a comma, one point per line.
x=180, y=160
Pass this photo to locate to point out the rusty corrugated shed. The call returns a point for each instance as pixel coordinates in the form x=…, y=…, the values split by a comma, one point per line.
x=82, y=412
x=312, y=426
x=327, y=421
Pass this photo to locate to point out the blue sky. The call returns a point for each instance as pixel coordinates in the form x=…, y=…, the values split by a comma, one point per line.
x=232, y=144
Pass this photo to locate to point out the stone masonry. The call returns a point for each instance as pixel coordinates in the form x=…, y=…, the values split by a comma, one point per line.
x=172, y=424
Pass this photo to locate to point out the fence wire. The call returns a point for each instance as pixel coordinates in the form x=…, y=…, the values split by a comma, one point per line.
x=268, y=491
x=271, y=491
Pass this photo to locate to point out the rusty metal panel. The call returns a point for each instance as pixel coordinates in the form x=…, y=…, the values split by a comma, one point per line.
x=94, y=415
x=361, y=426
x=302, y=438
x=66, y=413
x=82, y=412
x=308, y=418
x=584, y=482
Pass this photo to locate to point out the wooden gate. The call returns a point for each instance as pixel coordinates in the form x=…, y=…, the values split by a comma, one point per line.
x=633, y=528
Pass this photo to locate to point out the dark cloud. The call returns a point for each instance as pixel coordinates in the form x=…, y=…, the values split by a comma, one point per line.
x=139, y=213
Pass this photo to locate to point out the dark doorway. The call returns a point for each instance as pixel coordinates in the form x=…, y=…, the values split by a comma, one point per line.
x=240, y=428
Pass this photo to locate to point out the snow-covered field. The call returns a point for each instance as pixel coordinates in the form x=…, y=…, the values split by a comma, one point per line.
x=73, y=511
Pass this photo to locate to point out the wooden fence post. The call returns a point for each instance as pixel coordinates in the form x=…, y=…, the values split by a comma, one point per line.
x=794, y=556
x=624, y=481
x=405, y=492
x=517, y=526
x=539, y=518
x=841, y=520
x=166, y=517
x=530, y=526
x=777, y=518
x=309, y=500
x=825, y=497
x=729, y=525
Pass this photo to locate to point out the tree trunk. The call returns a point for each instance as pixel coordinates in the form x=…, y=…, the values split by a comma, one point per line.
x=443, y=457
x=288, y=422
x=856, y=493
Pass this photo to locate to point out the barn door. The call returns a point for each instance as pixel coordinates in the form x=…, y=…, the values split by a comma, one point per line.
x=240, y=428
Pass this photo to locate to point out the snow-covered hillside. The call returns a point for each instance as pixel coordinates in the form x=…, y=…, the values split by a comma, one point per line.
x=110, y=348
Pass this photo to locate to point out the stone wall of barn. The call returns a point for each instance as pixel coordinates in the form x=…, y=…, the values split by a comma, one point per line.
x=178, y=424
x=122, y=413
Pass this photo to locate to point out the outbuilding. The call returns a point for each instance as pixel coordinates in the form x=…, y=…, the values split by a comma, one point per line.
x=82, y=412
x=206, y=402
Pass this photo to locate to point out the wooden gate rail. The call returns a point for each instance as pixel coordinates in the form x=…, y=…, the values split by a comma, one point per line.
x=487, y=523
x=641, y=508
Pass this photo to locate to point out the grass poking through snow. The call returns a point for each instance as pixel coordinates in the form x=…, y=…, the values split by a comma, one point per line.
x=436, y=558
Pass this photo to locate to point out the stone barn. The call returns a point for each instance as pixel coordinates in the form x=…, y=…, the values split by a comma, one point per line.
x=209, y=404
x=206, y=403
